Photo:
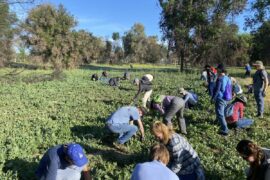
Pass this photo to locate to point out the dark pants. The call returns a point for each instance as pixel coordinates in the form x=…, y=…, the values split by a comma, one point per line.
x=211, y=87
x=260, y=102
x=177, y=107
x=247, y=74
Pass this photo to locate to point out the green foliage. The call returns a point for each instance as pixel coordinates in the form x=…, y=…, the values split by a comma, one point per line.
x=36, y=116
x=142, y=49
x=261, y=44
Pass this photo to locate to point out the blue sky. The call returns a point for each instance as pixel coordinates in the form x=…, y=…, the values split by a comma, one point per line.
x=103, y=17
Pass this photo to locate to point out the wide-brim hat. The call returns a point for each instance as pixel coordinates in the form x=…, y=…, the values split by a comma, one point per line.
x=242, y=99
x=258, y=63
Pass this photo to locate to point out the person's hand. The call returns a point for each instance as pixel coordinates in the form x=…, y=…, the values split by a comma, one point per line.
x=263, y=93
x=142, y=138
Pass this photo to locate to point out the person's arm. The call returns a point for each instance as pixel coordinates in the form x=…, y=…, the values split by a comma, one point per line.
x=159, y=108
x=140, y=124
x=86, y=173
x=265, y=83
x=52, y=170
x=138, y=93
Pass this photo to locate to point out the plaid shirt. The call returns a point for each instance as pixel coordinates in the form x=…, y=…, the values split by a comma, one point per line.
x=183, y=158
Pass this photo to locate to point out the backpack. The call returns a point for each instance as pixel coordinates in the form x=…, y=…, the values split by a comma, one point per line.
x=214, y=70
x=228, y=110
x=227, y=94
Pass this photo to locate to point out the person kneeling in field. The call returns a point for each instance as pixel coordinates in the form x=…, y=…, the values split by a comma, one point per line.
x=156, y=169
x=169, y=106
x=184, y=160
x=258, y=159
x=234, y=113
x=121, y=122
x=190, y=98
x=63, y=162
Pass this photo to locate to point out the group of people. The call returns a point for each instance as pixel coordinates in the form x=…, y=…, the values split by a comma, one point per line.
x=172, y=157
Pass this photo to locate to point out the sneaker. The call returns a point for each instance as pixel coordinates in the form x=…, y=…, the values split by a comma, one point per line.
x=223, y=133
x=120, y=147
x=260, y=116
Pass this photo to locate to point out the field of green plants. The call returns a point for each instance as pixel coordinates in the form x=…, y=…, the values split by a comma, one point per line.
x=37, y=113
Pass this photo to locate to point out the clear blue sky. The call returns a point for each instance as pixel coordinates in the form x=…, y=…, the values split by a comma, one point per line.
x=103, y=17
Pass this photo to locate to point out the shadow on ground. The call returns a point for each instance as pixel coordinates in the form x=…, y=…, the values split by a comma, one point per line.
x=24, y=169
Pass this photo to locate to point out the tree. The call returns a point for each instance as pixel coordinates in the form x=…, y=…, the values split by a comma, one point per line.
x=133, y=42
x=188, y=25
x=7, y=19
x=48, y=35
x=261, y=44
x=261, y=13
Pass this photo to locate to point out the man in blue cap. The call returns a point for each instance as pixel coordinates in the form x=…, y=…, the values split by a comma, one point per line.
x=63, y=162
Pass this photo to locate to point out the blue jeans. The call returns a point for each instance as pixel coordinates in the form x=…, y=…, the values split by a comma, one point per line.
x=260, y=101
x=125, y=131
x=188, y=176
x=242, y=123
x=211, y=87
x=220, y=114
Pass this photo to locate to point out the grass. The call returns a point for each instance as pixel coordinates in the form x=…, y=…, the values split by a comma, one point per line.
x=37, y=112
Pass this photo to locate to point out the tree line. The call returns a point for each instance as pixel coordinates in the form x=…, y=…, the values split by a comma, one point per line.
x=194, y=32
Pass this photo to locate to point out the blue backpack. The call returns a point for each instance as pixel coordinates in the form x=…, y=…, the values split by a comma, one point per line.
x=228, y=110
x=227, y=94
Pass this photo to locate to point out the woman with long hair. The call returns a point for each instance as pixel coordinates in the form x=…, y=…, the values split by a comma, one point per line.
x=258, y=158
x=184, y=160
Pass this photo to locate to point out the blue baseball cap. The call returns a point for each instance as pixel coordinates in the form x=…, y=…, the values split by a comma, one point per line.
x=76, y=154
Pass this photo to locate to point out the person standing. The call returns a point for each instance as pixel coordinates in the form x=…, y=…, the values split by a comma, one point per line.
x=156, y=168
x=145, y=86
x=63, y=162
x=222, y=94
x=258, y=159
x=211, y=79
x=248, y=70
x=260, y=84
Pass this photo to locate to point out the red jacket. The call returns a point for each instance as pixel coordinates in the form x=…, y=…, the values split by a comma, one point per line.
x=238, y=113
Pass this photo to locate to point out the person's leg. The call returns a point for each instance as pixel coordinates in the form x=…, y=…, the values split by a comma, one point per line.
x=260, y=102
x=177, y=104
x=243, y=123
x=211, y=89
x=220, y=115
x=146, y=96
x=125, y=131
x=181, y=121
x=128, y=132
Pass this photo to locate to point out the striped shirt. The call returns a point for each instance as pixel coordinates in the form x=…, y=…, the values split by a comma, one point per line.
x=183, y=158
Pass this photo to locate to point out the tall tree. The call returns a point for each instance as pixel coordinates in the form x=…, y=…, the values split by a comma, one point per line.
x=189, y=24
x=48, y=34
x=261, y=44
x=7, y=19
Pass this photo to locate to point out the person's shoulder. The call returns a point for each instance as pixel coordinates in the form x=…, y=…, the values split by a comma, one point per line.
x=53, y=152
